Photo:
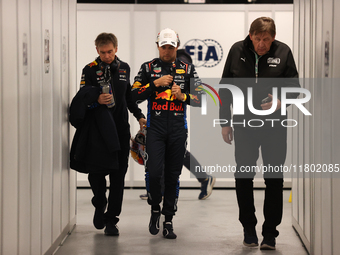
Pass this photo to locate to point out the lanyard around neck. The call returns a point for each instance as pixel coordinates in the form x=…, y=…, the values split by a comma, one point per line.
x=257, y=58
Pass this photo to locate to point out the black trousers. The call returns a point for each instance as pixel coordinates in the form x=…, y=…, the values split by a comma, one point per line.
x=273, y=144
x=165, y=150
x=116, y=177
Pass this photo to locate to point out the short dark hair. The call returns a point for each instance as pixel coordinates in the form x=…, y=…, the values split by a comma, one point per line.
x=261, y=25
x=106, y=38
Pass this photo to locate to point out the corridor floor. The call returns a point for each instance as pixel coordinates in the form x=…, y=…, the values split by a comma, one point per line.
x=205, y=227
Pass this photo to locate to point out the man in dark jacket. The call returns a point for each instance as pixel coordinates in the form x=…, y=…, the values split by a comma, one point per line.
x=249, y=65
x=101, y=144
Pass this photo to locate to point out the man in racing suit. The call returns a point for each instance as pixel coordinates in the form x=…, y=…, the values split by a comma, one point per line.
x=165, y=83
x=249, y=65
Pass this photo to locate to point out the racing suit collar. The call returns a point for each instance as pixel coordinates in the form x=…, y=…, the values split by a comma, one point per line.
x=167, y=63
x=98, y=60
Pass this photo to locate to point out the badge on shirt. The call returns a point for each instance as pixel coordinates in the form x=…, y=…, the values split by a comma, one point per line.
x=275, y=61
x=157, y=69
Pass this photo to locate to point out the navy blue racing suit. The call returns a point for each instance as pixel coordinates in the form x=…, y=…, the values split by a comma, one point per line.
x=166, y=127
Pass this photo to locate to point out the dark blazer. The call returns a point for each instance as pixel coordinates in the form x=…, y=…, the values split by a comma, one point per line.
x=95, y=144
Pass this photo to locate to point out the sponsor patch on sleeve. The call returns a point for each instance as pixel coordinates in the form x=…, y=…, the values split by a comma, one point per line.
x=136, y=85
x=94, y=63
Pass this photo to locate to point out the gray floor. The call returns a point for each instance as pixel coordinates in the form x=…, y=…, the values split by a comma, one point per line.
x=202, y=227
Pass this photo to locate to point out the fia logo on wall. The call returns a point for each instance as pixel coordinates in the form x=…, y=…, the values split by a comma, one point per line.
x=206, y=53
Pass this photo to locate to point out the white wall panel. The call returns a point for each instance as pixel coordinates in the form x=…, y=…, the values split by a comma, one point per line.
x=47, y=128
x=318, y=27
x=284, y=24
x=96, y=22
x=295, y=185
x=36, y=124
x=136, y=172
x=335, y=212
x=336, y=41
x=145, y=48
x=316, y=235
x=307, y=121
x=57, y=119
x=252, y=15
x=196, y=28
x=316, y=240
x=37, y=190
x=293, y=152
x=326, y=128
x=10, y=131
x=336, y=128
x=300, y=129
x=307, y=206
x=326, y=219
x=65, y=99
x=73, y=87
x=24, y=69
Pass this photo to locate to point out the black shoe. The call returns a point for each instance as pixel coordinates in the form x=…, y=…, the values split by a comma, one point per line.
x=250, y=237
x=111, y=228
x=154, y=222
x=168, y=231
x=268, y=243
x=98, y=218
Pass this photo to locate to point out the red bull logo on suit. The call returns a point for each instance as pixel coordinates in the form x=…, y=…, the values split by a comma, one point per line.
x=172, y=106
x=165, y=95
